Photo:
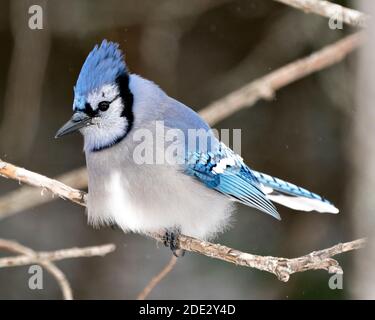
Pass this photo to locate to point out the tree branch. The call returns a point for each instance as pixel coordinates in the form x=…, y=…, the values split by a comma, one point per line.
x=27, y=197
x=281, y=267
x=328, y=9
x=7, y=170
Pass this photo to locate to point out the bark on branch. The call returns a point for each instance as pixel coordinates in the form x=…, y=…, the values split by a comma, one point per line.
x=281, y=267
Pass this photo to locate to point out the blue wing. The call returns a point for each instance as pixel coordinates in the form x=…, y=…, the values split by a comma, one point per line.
x=225, y=172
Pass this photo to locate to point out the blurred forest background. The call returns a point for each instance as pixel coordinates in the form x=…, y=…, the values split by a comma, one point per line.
x=197, y=51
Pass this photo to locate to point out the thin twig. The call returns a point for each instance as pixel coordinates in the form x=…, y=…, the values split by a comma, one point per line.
x=329, y=10
x=155, y=280
x=247, y=96
x=49, y=266
x=57, y=255
x=281, y=267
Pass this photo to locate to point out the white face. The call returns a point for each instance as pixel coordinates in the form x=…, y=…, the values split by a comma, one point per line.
x=109, y=125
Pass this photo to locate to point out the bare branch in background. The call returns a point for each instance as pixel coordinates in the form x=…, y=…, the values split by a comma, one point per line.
x=329, y=10
x=281, y=267
x=57, y=255
x=247, y=96
x=49, y=266
x=155, y=280
x=265, y=87
x=262, y=56
x=29, y=256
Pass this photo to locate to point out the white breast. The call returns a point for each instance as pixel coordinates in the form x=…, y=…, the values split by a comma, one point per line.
x=151, y=198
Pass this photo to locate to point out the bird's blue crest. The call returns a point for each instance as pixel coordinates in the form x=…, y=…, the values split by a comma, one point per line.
x=102, y=66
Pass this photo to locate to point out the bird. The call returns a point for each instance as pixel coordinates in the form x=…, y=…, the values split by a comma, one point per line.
x=131, y=181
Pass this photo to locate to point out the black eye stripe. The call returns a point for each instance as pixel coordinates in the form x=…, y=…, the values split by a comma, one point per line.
x=89, y=110
x=115, y=98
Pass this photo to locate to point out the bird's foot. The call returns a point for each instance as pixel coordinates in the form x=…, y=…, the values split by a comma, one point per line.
x=113, y=226
x=171, y=240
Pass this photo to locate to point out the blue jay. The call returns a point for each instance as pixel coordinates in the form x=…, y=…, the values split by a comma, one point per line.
x=196, y=196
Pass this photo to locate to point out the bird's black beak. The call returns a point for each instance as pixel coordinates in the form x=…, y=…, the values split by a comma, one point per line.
x=78, y=121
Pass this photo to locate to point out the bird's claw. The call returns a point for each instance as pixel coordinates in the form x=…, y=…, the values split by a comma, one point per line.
x=113, y=226
x=171, y=240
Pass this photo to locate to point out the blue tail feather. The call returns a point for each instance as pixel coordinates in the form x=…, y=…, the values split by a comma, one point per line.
x=286, y=187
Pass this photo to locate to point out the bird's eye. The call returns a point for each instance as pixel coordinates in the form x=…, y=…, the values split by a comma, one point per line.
x=103, y=105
